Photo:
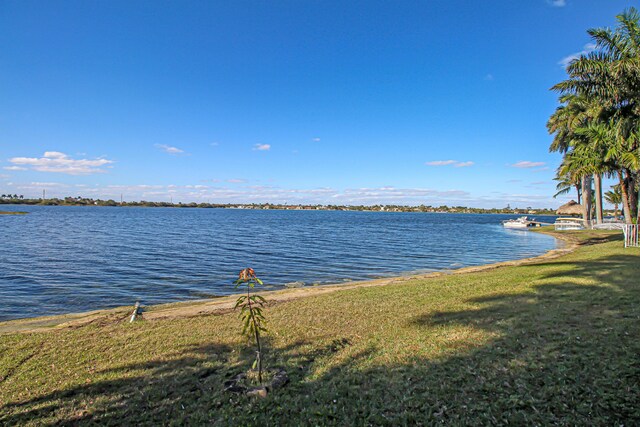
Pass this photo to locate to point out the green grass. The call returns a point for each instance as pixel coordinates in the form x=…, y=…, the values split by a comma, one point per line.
x=555, y=342
x=12, y=213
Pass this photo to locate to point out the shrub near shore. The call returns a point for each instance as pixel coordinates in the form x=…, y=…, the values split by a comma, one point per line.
x=553, y=342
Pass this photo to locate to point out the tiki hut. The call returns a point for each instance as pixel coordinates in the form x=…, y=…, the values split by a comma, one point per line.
x=571, y=208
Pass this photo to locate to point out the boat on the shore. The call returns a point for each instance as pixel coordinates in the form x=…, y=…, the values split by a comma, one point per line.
x=522, y=222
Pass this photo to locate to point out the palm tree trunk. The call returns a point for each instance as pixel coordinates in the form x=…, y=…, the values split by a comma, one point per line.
x=586, y=199
x=578, y=192
x=626, y=210
x=598, y=186
x=631, y=192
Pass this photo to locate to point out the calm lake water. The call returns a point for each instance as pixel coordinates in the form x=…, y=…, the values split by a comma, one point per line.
x=69, y=259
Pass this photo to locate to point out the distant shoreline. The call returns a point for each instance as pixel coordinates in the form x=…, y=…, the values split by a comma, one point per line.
x=270, y=206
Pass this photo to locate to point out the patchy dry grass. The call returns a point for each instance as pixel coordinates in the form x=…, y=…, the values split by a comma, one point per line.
x=555, y=342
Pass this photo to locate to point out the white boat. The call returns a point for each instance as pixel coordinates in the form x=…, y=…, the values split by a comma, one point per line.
x=569, y=224
x=522, y=222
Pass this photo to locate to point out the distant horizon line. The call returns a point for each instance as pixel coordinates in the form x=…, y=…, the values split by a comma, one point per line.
x=88, y=201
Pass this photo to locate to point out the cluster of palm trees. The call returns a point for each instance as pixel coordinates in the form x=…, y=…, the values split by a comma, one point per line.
x=11, y=196
x=597, y=125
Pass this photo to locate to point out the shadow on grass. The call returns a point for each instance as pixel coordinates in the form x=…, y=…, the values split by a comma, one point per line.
x=564, y=352
x=590, y=237
x=594, y=237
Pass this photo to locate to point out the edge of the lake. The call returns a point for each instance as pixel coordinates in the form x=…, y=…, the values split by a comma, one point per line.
x=190, y=308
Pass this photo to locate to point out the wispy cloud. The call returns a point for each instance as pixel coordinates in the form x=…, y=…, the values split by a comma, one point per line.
x=47, y=184
x=15, y=168
x=463, y=164
x=214, y=144
x=236, y=181
x=557, y=3
x=262, y=147
x=57, y=162
x=316, y=139
x=441, y=162
x=169, y=149
x=589, y=47
x=488, y=77
x=525, y=164
x=454, y=163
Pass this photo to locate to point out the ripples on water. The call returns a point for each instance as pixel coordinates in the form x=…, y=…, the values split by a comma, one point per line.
x=69, y=259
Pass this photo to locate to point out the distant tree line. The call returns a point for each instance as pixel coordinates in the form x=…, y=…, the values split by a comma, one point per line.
x=86, y=201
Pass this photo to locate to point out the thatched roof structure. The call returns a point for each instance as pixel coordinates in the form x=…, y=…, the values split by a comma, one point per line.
x=571, y=208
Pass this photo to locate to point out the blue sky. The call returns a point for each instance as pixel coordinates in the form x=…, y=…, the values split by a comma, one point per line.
x=430, y=102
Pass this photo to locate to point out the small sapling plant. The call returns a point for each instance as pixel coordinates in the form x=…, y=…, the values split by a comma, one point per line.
x=251, y=306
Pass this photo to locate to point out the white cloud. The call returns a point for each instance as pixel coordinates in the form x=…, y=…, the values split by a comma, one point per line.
x=262, y=147
x=525, y=164
x=316, y=139
x=214, y=144
x=169, y=149
x=557, y=3
x=47, y=184
x=14, y=168
x=236, y=181
x=441, y=162
x=57, y=162
x=589, y=47
x=463, y=164
x=454, y=163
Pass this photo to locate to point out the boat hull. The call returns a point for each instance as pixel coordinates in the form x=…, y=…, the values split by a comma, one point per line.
x=515, y=225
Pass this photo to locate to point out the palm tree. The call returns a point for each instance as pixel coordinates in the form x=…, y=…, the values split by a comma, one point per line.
x=567, y=123
x=573, y=164
x=608, y=141
x=595, y=157
x=610, y=75
x=614, y=197
x=566, y=183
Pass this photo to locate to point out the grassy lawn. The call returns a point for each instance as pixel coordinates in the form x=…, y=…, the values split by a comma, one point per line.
x=557, y=342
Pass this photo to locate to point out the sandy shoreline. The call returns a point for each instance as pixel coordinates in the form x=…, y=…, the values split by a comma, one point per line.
x=225, y=304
